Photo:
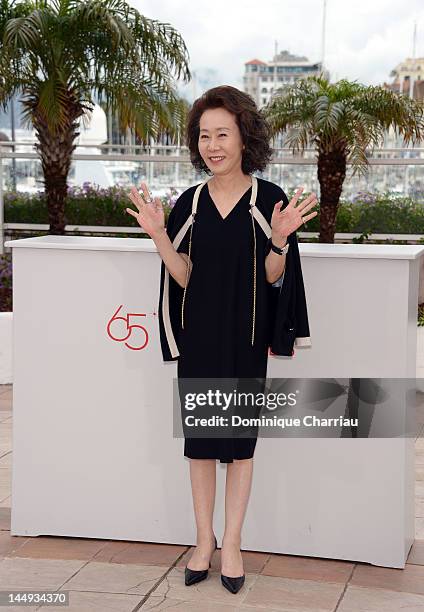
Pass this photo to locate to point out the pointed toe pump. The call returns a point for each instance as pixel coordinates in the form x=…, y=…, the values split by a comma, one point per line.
x=195, y=576
x=233, y=584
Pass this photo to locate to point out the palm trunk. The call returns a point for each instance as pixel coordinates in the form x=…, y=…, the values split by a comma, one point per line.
x=331, y=175
x=55, y=151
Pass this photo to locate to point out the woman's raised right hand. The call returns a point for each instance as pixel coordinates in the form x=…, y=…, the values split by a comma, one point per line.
x=150, y=215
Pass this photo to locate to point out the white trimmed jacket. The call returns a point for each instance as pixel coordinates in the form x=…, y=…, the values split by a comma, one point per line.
x=288, y=303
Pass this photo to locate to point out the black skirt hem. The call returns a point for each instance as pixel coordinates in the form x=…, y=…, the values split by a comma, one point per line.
x=194, y=450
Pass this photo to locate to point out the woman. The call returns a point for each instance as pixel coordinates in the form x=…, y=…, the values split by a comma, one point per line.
x=220, y=269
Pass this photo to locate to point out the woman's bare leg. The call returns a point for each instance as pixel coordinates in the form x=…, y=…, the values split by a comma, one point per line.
x=203, y=487
x=237, y=490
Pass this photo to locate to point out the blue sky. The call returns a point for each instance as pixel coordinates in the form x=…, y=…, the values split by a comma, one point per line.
x=365, y=39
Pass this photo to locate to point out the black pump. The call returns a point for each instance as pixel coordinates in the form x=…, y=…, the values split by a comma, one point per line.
x=195, y=576
x=233, y=584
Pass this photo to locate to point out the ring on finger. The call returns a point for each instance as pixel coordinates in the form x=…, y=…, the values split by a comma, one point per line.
x=148, y=200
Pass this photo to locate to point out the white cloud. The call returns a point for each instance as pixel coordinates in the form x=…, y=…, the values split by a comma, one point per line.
x=364, y=39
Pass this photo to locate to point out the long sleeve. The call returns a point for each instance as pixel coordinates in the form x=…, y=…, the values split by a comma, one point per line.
x=291, y=317
x=170, y=293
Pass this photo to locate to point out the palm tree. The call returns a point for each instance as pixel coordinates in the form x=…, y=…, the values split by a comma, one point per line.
x=341, y=120
x=60, y=55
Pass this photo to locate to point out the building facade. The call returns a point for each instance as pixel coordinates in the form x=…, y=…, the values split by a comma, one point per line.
x=264, y=79
x=408, y=78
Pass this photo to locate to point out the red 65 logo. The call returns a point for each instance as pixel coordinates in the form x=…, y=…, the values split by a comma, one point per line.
x=130, y=328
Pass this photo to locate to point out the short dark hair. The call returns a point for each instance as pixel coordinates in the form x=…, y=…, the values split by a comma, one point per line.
x=254, y=129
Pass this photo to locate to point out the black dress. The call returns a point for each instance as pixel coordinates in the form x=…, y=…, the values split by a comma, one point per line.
x=217, y=334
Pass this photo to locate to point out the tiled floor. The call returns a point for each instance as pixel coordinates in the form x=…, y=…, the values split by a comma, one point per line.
x=127, y=576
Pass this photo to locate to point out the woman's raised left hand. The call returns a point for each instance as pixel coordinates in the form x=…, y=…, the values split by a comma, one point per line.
x=290, y=218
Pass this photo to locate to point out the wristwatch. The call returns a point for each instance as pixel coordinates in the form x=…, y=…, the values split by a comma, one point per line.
x=280, y=251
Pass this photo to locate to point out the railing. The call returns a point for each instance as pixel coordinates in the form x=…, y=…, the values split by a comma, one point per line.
x=399, y=170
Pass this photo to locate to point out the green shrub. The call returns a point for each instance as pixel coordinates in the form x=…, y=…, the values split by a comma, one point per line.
x=86, y=205
x=375, y=214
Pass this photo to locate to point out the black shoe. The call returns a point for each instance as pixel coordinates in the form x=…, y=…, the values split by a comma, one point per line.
x=194, y=576
x=233, y=584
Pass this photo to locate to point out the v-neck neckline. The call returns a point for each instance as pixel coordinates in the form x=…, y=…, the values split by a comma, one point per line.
x=233, y=208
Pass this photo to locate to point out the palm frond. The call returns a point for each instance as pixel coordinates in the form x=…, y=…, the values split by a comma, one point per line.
x=92, y=47
x=345, y=116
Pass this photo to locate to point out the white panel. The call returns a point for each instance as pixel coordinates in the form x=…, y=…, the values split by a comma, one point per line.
x=94, y=453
